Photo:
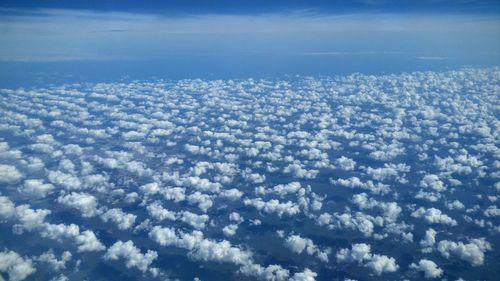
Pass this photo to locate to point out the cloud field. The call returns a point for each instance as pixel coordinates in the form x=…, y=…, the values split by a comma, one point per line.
x=357, y=177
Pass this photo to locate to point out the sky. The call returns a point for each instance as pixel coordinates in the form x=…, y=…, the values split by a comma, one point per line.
x=188, y=7
x=246, y=38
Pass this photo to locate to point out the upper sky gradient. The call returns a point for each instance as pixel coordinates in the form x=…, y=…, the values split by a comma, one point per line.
x=246, y=38
x=263, y=6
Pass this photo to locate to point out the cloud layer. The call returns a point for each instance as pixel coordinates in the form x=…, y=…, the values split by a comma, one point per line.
x=364, y=177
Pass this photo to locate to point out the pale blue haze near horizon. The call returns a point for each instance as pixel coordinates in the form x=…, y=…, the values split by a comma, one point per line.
x=89, y=45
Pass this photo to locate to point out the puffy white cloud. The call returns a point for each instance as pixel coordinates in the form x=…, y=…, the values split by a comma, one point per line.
x=357, y=221
x=204, y=249
x=472, y=252
x=133, y=135
x=60, y=277
x=45, y=138
x=390, y=152
x=272, y=272
x=253, y=177
x=236, y=217
x=34, y=220
x=273, y=206
x=7, y=208
x=94, y=180
x=492, y=211
x=163, y=235
x=176, y=194
x=36, y=188
x=67, y=181
x=4, y=146
x=29, y=219
x=16, y=267
x=429, y=196
x=345, y=163
x=9, y=154
x=51, y=259
x=194, y=149
x=202, y=184
x=227, y=171
x=230, y=230
x=433, y=182
x=42, y=148
x=131, y=197
x=428, y=267
x=88, y=242
x=209, y=250
x=391, y=210
x=73, y=149
x=306, y=275
x=34, y=164
x=299, y=172
x=203, y=201
x=283, y=189
x=433, y=216
x=449, y=164
x=196, y=221
x=355, y=182
x=9, y=174
x=428, y=241
x=382, y=174
x=455, y=205
x=159, y=213
x=298, y=244
x=150, y=188
x=380, y=264
x=122, y=219
x=131, y=254
x=361, y=253
x=83, y=202
x=231, y=194
x=67, y=165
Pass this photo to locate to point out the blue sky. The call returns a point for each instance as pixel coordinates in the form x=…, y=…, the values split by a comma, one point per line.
x=56, y=34
x=263, y=6
x=282, y=37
